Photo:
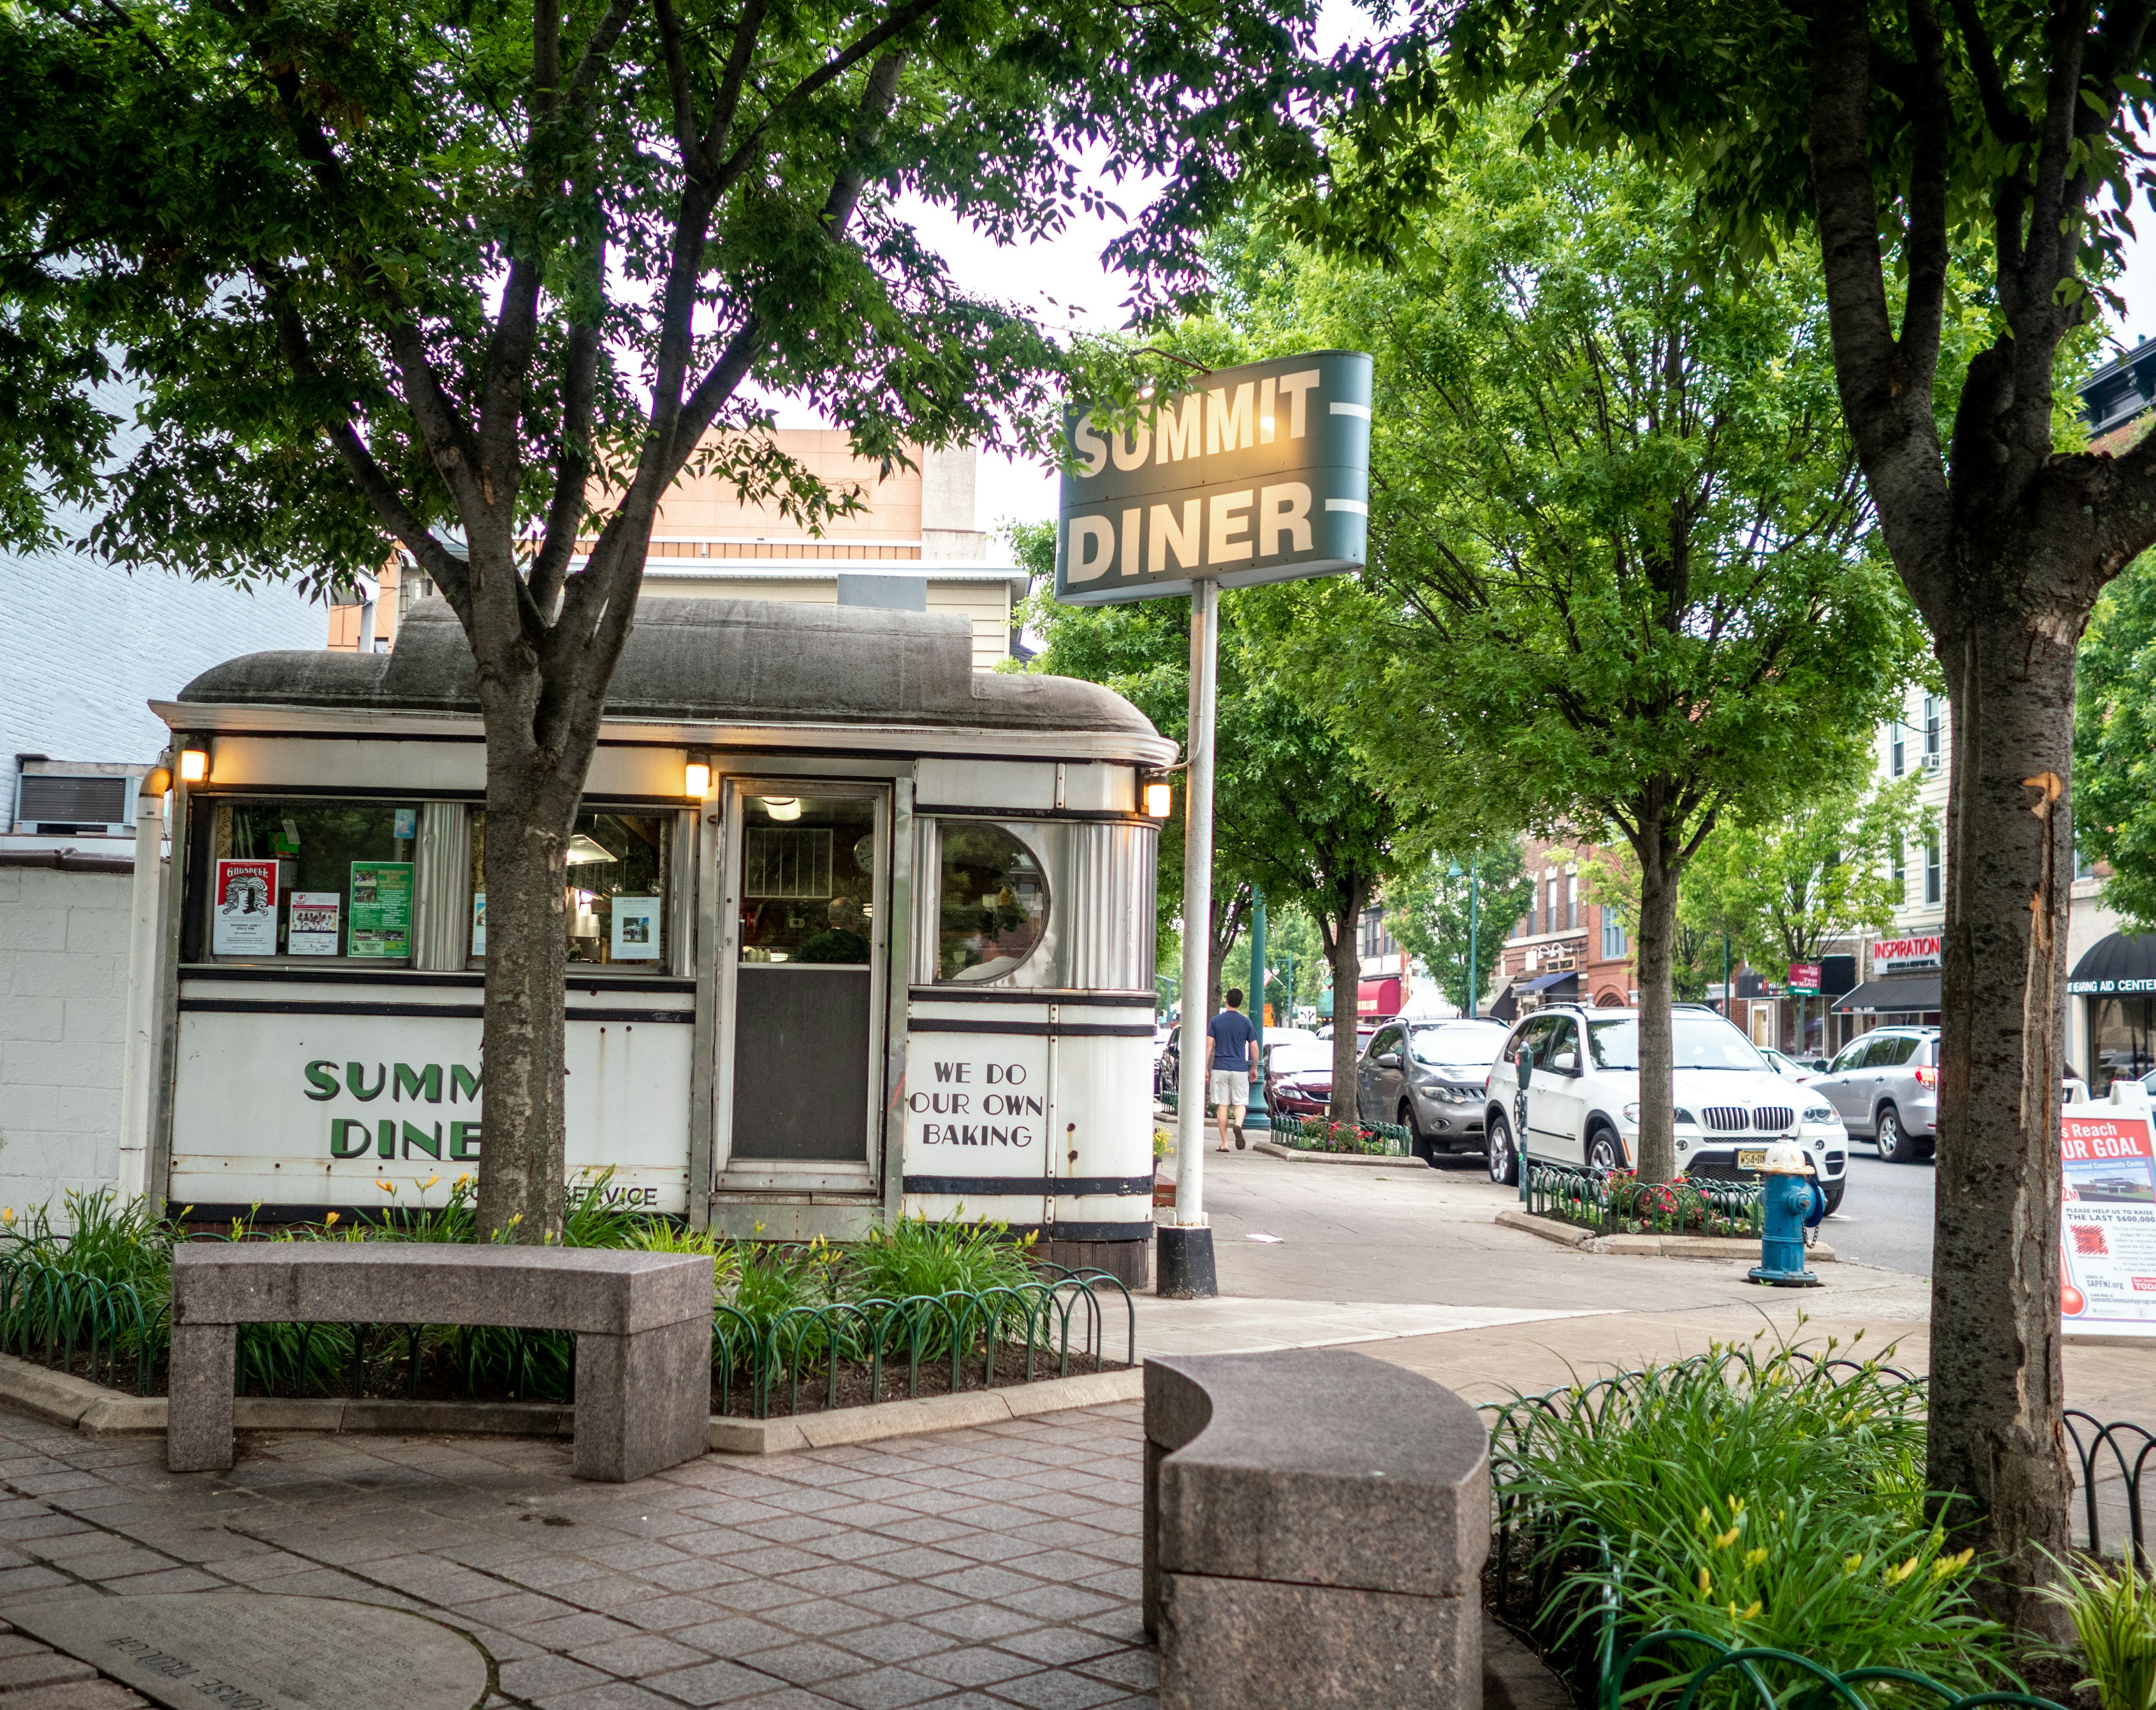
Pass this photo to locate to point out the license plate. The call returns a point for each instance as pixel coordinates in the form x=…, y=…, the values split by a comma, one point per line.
x=1752, y=1160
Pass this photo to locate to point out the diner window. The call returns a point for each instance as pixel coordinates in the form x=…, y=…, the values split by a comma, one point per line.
x=618, y=879
x=311, y=880
x=993, y=901
x=808, y=880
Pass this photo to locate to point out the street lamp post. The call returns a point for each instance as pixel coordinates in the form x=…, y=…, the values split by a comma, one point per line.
x=1474, y=908
x=1259, y=1114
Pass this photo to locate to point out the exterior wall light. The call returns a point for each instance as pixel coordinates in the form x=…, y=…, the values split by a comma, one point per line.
x=194, y=765
x=782, y=807
x=696, y=780
x=1159, y=800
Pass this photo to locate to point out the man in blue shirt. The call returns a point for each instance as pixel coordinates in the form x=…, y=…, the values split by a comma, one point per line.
x=1234, y=1059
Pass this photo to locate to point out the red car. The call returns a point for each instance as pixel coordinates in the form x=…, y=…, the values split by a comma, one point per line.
x=1299, y=1078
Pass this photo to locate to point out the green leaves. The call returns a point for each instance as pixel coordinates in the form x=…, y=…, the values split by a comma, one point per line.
x=2115, y=743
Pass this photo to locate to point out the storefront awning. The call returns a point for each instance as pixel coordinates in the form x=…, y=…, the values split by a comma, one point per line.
x=1912, y=993
x=2122, y=963
x=1552, y=985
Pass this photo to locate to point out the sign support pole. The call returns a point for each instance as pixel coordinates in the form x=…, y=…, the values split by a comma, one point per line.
x=1186, y=1246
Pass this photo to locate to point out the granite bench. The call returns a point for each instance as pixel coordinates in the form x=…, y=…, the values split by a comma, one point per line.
x=1316, y=1523
x=642, y=1324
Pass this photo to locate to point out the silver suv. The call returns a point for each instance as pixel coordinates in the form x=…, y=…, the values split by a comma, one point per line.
x=1885, y=1083
x=1430, y=1077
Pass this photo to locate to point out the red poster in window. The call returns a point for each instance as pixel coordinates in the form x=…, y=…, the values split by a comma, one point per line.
x=2107, y=1217
x=245, y=915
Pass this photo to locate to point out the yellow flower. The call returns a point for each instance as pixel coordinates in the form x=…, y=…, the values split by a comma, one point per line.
x=1727, y=1538
x=385, y=1186
x=1735, y=1507
x=428, y=1183
x=1753, y=1558
x=7, y=1216
x=1752, y=1612
x=1706, y=1583
x=1895, y=1576
x=330, y=1222
x=1706, y=1517
x=1850, y=1564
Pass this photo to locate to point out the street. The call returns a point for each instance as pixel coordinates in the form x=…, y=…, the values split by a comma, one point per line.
x=1886, y=1217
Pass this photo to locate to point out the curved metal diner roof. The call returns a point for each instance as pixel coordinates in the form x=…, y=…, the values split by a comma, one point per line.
x=698, y=670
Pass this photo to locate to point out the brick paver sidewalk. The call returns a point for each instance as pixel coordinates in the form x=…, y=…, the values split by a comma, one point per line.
x=979, y=1568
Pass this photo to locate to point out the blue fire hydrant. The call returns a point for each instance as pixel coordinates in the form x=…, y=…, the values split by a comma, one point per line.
x=1792, y=1201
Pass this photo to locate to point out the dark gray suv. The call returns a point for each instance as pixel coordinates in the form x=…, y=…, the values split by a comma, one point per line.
x=1430, y=1077
x=1886, y=1084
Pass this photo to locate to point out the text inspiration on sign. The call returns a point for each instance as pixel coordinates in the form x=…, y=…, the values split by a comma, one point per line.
x=1255, y=474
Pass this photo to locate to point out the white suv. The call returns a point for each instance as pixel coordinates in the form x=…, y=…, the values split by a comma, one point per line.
x=1582, y=1103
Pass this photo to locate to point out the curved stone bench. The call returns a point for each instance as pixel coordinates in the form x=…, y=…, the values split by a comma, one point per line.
x=642, y=1324
x=1316, y=1523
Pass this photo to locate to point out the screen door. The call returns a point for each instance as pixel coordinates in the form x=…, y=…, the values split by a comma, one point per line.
x=806, y=880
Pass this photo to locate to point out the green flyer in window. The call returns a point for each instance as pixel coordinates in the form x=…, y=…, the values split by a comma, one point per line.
x=381, y=913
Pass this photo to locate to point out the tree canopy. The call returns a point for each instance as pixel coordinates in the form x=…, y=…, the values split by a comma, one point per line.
x=1621, y=571
x=2115, y=744
x=1452, y=902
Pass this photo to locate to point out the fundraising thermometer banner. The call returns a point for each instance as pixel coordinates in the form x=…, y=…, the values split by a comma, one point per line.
x=2108, y=1224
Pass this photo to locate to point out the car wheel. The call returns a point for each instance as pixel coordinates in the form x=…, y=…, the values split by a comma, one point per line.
x=1894, y=1145
x=1420, y=1144
x=1605, y=1151
x=1504, y=1161
x=1833, y=1190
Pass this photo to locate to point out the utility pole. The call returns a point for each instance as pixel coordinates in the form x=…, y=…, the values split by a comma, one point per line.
x=1186, y=1245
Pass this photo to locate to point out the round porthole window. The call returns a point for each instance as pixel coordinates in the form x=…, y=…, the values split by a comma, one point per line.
x=994, y=903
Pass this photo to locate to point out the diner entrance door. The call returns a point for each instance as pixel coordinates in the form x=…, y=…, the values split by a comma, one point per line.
x=801, y=1025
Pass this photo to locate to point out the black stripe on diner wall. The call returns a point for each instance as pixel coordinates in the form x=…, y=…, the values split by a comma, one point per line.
x=1018, y=816
x=1031, y=1187
x=1050, y=1029
x=205, y=973
x=440, y=1012
x=970, y=995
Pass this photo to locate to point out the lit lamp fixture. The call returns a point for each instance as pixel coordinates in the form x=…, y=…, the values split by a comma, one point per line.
x=1159, y=799
x=194, y=765
x=585, y=851
x=782, y=807
x=696, y=781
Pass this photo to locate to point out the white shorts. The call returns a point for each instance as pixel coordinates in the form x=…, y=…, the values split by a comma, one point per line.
x=1231, y=1086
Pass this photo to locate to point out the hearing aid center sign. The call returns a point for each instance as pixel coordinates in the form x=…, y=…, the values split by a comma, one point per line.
x=975, y=1105
x=2107, y=1222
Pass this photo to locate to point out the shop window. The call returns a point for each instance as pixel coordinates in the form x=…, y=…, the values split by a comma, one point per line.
x=2121, y=1041
x=808, y=880
x=1612, y=935
x=993, y=898
x=1934, y=889
x=311, y=880
x=614, y=899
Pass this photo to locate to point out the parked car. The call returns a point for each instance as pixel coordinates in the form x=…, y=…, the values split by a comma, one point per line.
x=1166, y=1062
x=1431, y=1078
x=1298, y=1076
x=1885, y=1086
x=1583, y=1099
x=1787, y=1067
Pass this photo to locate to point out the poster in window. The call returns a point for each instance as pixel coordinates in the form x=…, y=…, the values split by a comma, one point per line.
x=479, y=923
x=381, y=926
x=2108, y=1222
x=636, y=936
x=246, y=909
x=316, y=924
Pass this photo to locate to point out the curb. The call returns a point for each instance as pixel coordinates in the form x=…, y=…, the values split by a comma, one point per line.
x=62, y=1398
x=1273, y=1148
x=1651, y=1246
x=924, y=1414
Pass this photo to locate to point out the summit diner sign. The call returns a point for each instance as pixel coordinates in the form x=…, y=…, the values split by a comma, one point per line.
x=1256, y=474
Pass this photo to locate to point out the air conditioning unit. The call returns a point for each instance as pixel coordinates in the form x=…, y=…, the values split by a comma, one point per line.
x=74, y=804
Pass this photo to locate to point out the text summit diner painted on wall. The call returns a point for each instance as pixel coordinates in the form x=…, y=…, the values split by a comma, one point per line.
x=1256, y=474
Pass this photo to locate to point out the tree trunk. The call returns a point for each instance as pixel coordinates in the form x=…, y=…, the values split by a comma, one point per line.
x=1346, y=978
x=523, y=1145
x=1995, y=1437
x=1657, y=1159
x=1227, y=927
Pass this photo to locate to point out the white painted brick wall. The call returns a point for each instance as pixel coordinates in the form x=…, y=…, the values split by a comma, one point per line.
x=89, y=646
x=63, y=1001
